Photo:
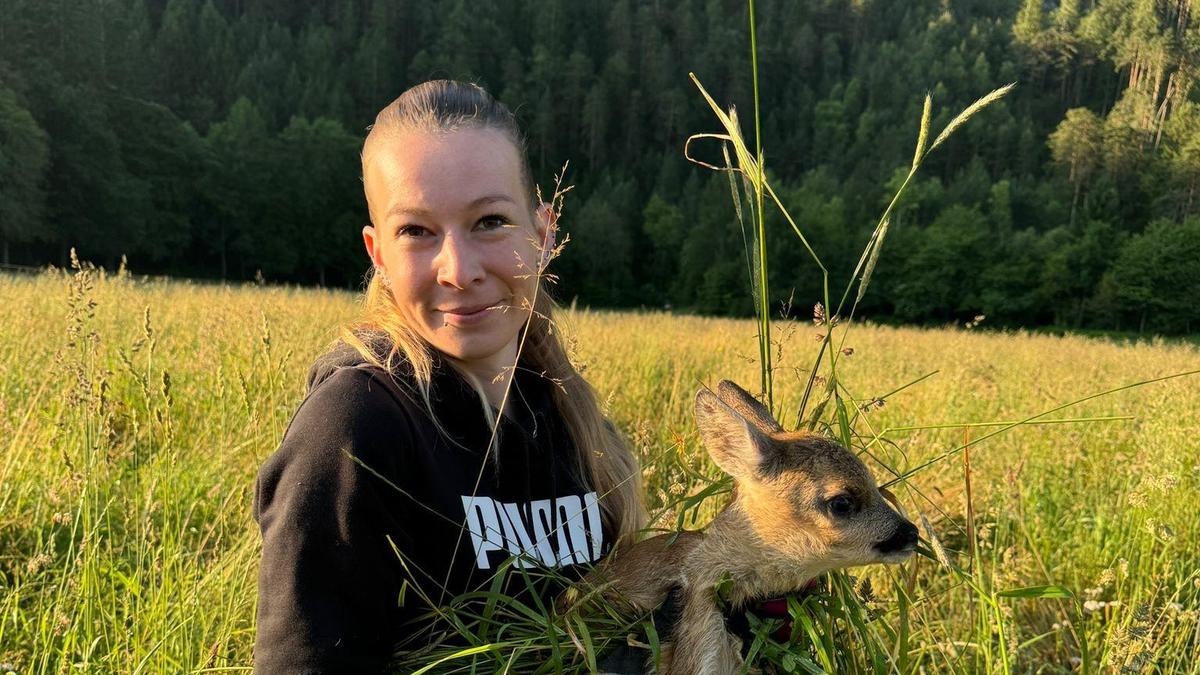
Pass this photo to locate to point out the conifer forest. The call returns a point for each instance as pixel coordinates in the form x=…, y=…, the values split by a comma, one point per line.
x=219, y=139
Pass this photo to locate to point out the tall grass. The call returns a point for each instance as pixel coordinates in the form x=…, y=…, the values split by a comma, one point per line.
x=126, y=542
x=1057, y=512
x=132, y=415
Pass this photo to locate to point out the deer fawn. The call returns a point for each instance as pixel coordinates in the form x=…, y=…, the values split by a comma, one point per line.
x=802, y=505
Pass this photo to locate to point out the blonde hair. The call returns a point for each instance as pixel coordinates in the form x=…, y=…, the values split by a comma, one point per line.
x=445, y=105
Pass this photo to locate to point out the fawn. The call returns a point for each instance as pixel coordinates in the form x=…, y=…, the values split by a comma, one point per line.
x=802, y=505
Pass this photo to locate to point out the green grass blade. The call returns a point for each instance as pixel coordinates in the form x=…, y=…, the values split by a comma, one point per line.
x=1053, y=592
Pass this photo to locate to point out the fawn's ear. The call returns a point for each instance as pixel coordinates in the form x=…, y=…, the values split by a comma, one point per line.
x=736, y=445
x=749, y=407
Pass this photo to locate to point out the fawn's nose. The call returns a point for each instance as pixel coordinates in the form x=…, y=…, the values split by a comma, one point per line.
x=904, y=538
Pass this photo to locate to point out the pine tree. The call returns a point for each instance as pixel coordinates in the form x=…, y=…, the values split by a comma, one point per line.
x=1077, y=144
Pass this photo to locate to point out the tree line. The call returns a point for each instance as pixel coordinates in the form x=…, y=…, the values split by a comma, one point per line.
x=220, y=139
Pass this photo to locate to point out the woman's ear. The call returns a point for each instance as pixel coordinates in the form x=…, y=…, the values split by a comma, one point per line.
x=546, y=223
x=546, y=220
x=372, y=245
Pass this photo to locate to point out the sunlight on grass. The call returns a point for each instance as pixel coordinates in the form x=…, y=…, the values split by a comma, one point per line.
x=135, y=413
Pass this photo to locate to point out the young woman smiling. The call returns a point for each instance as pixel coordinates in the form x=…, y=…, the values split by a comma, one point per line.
x=447, y=430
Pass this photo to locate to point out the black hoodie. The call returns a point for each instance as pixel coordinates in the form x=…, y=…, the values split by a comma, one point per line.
x=364, y=468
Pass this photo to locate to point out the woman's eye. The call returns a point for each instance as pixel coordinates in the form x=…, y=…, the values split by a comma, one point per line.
x=841, y=505
x=492, y=222
x=410, y=231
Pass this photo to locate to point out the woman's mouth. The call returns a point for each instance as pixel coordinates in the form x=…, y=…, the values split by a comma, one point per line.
x=466, y=315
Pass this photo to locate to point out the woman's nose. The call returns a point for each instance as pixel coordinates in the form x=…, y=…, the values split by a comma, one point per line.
x=459, y=262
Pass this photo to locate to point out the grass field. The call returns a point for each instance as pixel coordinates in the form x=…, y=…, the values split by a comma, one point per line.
x=134, y=414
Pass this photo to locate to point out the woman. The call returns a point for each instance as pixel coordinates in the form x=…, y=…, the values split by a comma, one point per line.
x=446, y=431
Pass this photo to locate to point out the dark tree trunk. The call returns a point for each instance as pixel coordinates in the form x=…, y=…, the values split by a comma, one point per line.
x=1074, y=202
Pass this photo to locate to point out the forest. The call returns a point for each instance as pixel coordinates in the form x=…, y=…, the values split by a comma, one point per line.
x=219, y=139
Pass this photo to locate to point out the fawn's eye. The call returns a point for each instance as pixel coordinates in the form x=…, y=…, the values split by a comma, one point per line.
x=841, y=506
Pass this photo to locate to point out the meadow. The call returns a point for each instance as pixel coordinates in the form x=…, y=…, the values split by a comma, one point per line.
x=134, y=414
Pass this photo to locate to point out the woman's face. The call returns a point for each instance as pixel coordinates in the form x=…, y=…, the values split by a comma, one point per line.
x=453, y=232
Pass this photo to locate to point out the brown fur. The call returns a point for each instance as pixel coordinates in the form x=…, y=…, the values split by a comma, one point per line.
x=778, y=532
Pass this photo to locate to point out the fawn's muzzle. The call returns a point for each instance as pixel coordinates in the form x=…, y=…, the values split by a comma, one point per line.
x=904, y=538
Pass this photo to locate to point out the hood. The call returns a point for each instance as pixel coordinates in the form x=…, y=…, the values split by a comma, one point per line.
x=342, y=355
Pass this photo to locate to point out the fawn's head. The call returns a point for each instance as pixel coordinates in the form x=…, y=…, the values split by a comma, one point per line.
x=805, y=495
